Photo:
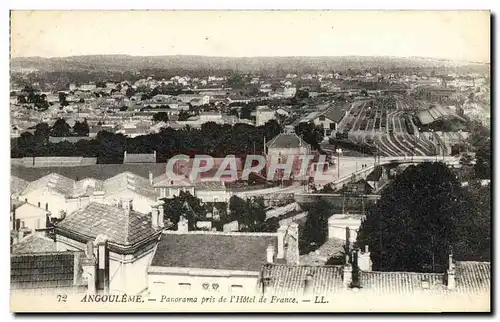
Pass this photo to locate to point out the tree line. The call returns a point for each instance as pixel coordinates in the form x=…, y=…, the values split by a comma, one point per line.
x=212, y=139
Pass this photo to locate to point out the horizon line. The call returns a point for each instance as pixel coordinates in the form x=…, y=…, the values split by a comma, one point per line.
x=246, y=57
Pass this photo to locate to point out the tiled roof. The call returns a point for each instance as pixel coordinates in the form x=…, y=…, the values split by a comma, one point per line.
x=166, y=179
x=45, y=270
x=128, y=180
x=402, y=282
x=97, y=171
x=34, y=243
x=335, y=113
x=65, y=186
x=473, y=277
x=241, y=252
x=290, y=280
x=140, y=158
x=87, y=186
x=17, y=185
x=287, y=141
x=54, y=182
x=121, y=226
x=210, y=185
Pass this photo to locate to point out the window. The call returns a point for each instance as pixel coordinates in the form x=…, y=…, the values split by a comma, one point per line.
x=322, y=118
x=332, y=126
x=216, y=199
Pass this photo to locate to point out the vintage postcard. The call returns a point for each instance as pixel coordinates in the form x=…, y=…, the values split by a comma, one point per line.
x=250, y=161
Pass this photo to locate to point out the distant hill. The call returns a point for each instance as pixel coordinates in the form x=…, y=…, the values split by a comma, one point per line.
x=245, y=64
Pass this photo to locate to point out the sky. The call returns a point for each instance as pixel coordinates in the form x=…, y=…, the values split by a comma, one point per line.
x=454, y=35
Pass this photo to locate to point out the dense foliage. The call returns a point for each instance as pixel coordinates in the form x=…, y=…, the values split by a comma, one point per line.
x=211, y=139
x=421, y=215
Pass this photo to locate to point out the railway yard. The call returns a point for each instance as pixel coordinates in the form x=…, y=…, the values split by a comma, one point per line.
x=389, y=125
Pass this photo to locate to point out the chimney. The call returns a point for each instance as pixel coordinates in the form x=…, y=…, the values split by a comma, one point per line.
x=154, y=216
x=364, y=260
x=281, y=242
x=102, y=263
x=124, y=156
x=127, y=204
x=450, y=273
x=89, y=267
x=355, y=269
x=150, y=178
x=183, y=225
x=47, y=206
x=161, y=215
x=270, y=254
x=292, y=244
x=13, y=217
x=347, y=274
x=309, y=283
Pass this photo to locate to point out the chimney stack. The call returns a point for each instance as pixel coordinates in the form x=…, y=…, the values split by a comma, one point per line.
x=154, y=216
x=127, y=204
x=450, y=273
x=309, y=284
x=364, y=260
x=47, y=206
x=89, y=268
x=347, y=274
x=281, y=242
x=161, y=215
x=150, y=177
x=270, y=254
x=102, y=263
x=292, y=244
x=13, y=217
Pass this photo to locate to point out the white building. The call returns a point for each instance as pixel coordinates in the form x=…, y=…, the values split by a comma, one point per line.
x=263, y=115
x=217, y=263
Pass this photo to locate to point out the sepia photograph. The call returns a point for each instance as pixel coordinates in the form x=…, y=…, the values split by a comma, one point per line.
x=250, y=161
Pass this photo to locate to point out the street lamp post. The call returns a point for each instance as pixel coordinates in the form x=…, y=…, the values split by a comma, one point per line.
x=339, y=152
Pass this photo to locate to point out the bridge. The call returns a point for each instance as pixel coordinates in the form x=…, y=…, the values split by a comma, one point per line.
x=363, y=173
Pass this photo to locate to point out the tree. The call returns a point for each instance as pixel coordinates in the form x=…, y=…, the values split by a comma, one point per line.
x=62, y=99
x=183, y=115
x=415, y=222
x=160, y=117
x=301, y=94
x=246, y=112
x=480, y=140
x=466, y=159
x=186, y=205
x=311, y=133
x=315, y=231
x=130, y=92
x=42, y=131
x=81, y=128
x=100, y=84
x=60, y=129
